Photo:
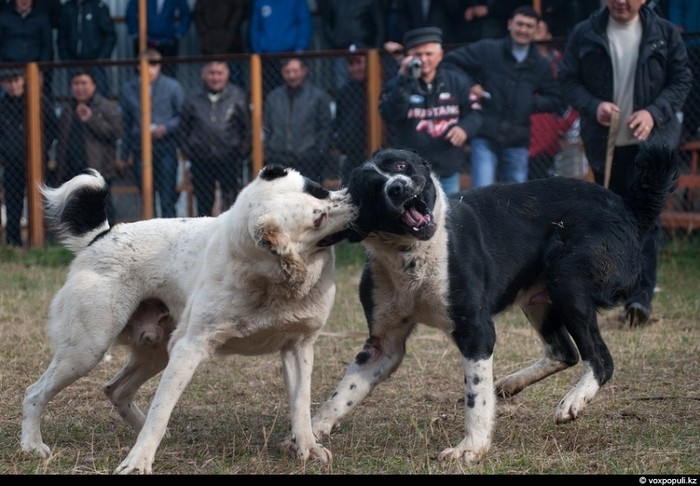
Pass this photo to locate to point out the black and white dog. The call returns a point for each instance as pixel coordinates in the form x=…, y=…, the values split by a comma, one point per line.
x=560, y=248
x=257, y=279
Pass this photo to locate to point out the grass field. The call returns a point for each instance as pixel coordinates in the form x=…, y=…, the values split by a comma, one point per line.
x=234, y=413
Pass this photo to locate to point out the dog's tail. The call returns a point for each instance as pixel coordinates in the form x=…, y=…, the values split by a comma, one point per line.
x=655, y=176
x=77, y=210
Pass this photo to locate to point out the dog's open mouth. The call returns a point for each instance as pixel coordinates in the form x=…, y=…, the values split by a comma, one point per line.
x=416, y=214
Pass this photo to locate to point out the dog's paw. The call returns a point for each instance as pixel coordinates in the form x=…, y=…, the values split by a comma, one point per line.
x=314, y=451
x=322, y=427
x=575, y=401
x=456, y=453
x=506, y=388
x=318, y=452
x=568, y=411
x=133, y=464
x=571, y=407
x=40, y=450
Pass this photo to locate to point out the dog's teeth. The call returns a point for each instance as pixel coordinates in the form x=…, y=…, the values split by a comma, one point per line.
x=415, y=229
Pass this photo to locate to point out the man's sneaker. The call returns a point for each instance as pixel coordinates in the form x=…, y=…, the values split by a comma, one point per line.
x=635, y=314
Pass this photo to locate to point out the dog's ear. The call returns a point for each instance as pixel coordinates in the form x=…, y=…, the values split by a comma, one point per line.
x=270, y=236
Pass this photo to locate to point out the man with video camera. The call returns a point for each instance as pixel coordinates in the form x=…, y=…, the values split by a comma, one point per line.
x=428, y=109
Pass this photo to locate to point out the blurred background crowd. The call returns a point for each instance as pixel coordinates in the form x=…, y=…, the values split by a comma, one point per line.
x=316, y=84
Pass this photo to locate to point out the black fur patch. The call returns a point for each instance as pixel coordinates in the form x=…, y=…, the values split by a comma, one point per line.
x=272, y=172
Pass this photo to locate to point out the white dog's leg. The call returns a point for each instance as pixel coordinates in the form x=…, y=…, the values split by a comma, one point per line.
x=479, y=412
x=573, y=403
x=514, y=383
x=377, y=361
x=184, y=359
x=66, y=366
x=298, y=364
x=559, y=351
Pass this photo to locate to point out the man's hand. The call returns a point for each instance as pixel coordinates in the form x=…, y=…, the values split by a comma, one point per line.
x=83, y=111
x=641, y=123
x=604, y=112
x=477, y=92
x=158, y=131
x=456, y=136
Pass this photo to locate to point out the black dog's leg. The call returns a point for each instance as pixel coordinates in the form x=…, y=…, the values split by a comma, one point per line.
x=597, y=361
x=379, y=358
x=476, y=347
x=143, y=364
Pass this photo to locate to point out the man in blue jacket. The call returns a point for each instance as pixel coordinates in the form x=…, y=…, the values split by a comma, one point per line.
x=428, y=108
x=167, y=100
x=625, y=60
x=512, y=81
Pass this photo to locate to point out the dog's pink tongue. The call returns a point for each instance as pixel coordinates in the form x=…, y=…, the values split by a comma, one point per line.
x=415, y=219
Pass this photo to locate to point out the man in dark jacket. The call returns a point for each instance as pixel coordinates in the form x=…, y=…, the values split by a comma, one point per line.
x=349, y=26
x=429, y=108
x=626, y=62
x=297, y=124
x=89, y=126
x=25, y=33
x=215, y=124
x=512, y=81
x=85, y=32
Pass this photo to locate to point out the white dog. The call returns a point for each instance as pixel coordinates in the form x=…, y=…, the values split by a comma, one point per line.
x=257, y=279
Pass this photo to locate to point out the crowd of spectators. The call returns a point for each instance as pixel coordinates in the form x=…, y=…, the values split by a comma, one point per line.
x=332, y=116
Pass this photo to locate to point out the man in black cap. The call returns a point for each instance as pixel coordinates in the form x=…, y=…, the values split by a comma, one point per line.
x=513, y=81
x=428, y=109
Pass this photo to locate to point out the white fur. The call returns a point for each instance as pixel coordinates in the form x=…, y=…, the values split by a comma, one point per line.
x=250, y=281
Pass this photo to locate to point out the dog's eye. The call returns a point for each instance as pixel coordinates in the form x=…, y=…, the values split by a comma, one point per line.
x=400, y=166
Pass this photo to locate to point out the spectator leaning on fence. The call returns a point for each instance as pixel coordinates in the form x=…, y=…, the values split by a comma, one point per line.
x=627, y=61
x=216, y=136
x=89, y=126
x=167, y=98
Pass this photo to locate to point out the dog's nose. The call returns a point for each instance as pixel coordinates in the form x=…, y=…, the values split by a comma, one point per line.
x=398, y=189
